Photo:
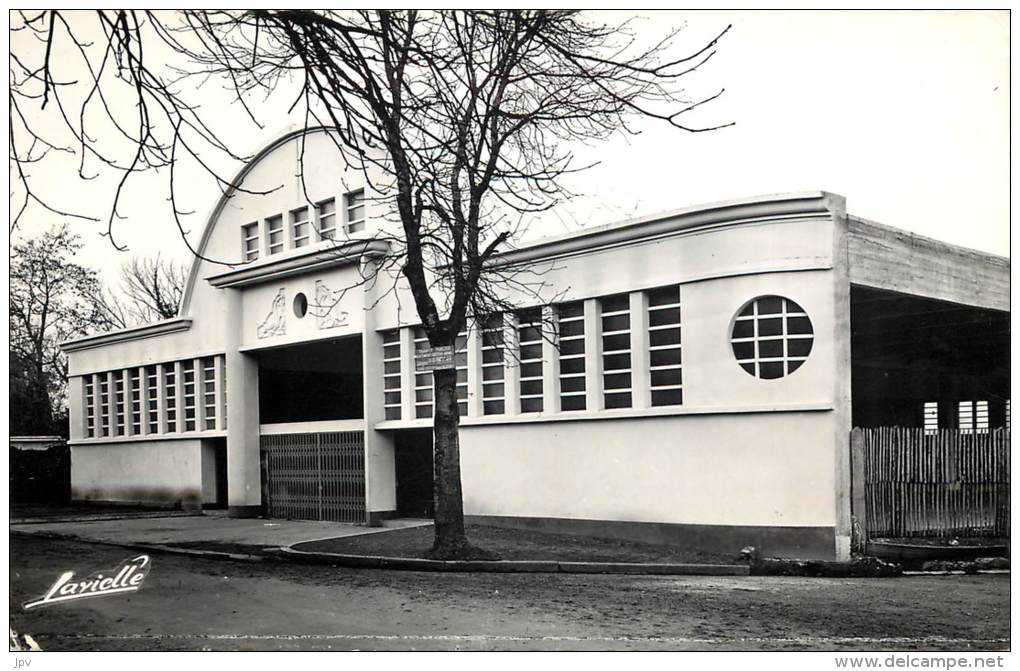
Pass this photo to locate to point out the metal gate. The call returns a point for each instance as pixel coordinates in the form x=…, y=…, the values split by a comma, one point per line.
x=908, y=482
x=314, y=476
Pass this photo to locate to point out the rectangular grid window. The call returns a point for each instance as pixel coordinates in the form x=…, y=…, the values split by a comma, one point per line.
x=354, y=210
x=326, y=213
x=460, y=362
x=615, y=311
x=274, y=234
x=250, y=241
x=152, y=383
x=301, y=227
x=209, y=391
x=170, y=386
x=118, y=397
x=931, y=418
x=104, y=405
x=422, y=380
x=529, y=339
x=981, y=416
x=391, y=374
x=188, y=375
x=973, y=417
x=664, y=359
x=570, y=325
x=136, y=401
x=966, y=417
x=493, y=388
x=90, y=407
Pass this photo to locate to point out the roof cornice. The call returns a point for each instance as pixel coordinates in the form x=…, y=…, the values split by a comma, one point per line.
x=124, y=335
x=274, y=268
x=675, y=222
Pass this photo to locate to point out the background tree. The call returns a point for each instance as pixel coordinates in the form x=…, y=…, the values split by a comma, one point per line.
x=51, y=300
x=150, y=290
x=462, y=123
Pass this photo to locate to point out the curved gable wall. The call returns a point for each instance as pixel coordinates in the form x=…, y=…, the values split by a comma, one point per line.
x=269, y=184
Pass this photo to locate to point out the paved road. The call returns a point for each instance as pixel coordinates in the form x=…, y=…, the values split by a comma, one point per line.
x=196, y=604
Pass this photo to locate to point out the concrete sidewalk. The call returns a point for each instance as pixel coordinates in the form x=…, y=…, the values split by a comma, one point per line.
x=213, y=528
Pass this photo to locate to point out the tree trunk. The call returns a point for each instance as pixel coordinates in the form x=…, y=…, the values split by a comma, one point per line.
x=450, y=543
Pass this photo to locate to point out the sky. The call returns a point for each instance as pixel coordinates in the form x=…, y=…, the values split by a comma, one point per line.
x=906, y=114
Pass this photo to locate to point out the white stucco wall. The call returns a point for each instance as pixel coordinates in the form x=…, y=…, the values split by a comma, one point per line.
x=751, y=469
x=161, y=473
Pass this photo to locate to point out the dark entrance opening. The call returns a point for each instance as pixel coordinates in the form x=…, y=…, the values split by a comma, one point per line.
x=413, y=457
x=312, y=382
x=214, y=473
x=923, y=362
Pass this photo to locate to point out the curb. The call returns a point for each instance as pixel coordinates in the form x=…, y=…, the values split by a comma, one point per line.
x=524, y=566
x=148, y=547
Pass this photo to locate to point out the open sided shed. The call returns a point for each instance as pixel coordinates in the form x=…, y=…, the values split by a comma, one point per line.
x=929, y=331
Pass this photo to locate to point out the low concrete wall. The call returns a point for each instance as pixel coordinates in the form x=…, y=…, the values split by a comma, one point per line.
x=751, y=479
x=159, y=473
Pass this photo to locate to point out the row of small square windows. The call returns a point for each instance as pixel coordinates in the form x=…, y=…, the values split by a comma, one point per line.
x=301, y=226
x=127, y=408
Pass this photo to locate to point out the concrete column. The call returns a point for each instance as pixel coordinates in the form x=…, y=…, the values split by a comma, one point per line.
x=841, y=392
x=406, y=373
x=511, y=366
x=111, y=397
x=380, y=460
x=179, y=395
x=244, y=477
x=199, y=395
x=161, y=406
x=592, y=355
x=550, y=361
x=474, y=364
x=76, y=408
x=143, y=401
x=640, y=382
x=97, y=413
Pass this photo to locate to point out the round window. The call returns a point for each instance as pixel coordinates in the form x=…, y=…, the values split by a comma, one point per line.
x=772, y=337
x=300, y=305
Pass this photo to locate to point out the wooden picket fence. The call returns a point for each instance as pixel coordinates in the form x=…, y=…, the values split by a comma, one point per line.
x=910, y=482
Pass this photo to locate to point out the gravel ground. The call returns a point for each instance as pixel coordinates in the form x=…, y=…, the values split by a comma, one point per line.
x=196, y=604
x=515, y=544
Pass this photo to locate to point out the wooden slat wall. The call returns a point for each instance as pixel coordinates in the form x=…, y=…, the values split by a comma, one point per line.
x=947, y=483
x=315, y=476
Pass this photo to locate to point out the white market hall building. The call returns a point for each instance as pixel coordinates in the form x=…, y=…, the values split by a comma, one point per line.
x=708, y=368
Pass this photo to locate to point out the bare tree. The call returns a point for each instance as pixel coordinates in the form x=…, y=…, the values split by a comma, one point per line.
x=462, y=122
x=150, y=290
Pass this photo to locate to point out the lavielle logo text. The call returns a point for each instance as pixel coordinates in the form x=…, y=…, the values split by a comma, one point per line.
x=127, y=577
